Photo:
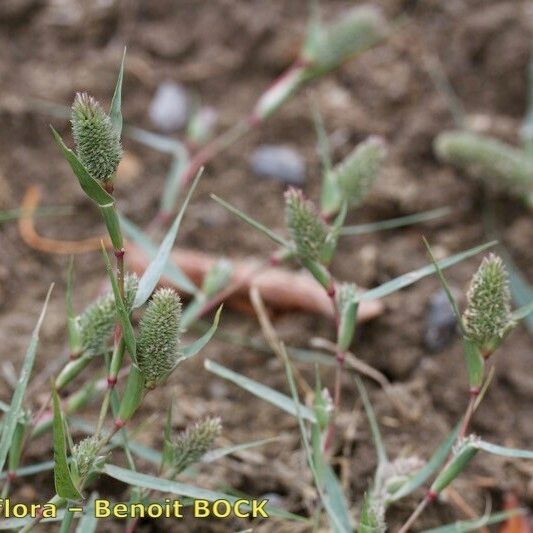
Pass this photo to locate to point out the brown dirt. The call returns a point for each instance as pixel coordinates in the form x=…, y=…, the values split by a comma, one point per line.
x=228, y=51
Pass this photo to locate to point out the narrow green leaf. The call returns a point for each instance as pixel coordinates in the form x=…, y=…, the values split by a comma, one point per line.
x=31, y=470
x=446, y=288
x=436, y=460
x=72, y=324
x=218, y=453
x=136, y=479
x=478, y=523
x=64, y=485
x=339, y=520
x=123, y=314
x=68, y=518
x=503, y=451
x=151, y=276
x=110, y=216
x=89, y=185
x=399, y=222
x=522, y=312
x=411, y=277
x=88, y=522
x=115, y=113
x=14, y=214
x=17, y=523
x=198, y=345
x=374, y=427
x=261, y=391
x=249, y=220
x=161, y=143
x=171, y=270
x=13, y=415
x=173, y=179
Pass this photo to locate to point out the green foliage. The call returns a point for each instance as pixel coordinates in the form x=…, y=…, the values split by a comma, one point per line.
x=160, y=331
x=97, y=322
x=97, y=140
x=487, y=318
x=307, y=230
x=85, y=455
x=190, y=445
x=354, y=176
x=503, y=166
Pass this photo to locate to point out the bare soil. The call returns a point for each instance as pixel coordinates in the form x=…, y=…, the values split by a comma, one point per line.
x=228, y=51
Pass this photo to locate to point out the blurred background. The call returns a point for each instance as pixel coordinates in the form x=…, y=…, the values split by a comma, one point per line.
x=220, y=55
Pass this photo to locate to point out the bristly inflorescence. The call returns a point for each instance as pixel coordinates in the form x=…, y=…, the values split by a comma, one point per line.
x=306, y=228
x=194, y=442
x=160, y=331
x=85, y=455
x=97, y=141
x=97, y=322
x=487, y=318
x=356, y=174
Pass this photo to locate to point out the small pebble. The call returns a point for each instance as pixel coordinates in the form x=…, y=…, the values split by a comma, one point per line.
x=440, y=322
x=279, y=163
x=169, y=109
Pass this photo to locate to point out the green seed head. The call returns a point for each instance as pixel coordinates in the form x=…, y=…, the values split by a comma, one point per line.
x=500, y=165
x=329, y=45
x=356, y=174
x=97, y=322
x=160, y=330
x=85, y=455
x=487, y=318
x=97, y=141
x=307, y=230
x=194, y=442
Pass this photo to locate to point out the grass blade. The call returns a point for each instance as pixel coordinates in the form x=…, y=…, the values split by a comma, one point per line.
x=398, y=222
x=261, y=391
x=335, y=508
x=88, y=521
x=12, y=416
x=374, y=427
x=475, y=525
x=136, y=479
x=504, y=451
x=14, y=214
x=218, y=453
x=198, y=345
x=115, y=112
x=63, y=482
x=173, y=180
x=171, y=271
x=151, y=276
x=249, y=220
x=405, y=280
x=437, y=459
x=89, y=185
x=123, y=314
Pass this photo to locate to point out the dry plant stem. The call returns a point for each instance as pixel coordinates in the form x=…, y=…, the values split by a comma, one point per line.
x=469, y=413
x=272, y=337
x=416, y=513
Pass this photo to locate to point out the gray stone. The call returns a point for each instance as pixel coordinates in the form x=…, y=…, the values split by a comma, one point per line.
x=169, y=109
x=279, y=163
x=440, y=322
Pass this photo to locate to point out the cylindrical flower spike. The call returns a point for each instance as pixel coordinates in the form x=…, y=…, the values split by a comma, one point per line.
x=96, y=325
x=506, y=167
x=372, y=516
x=354, y=176
x=487, y=318
x=329, y=45
x=307, y=230
x=194, y=442
x=160, y=330
x=85, y=455
x=97, y=141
